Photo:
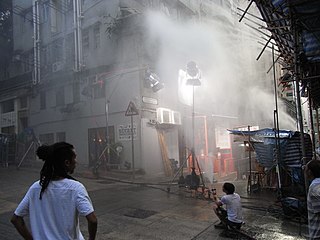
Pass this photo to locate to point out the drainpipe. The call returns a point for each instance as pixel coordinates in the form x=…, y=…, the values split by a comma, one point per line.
x=36, y=42
x=77, y=35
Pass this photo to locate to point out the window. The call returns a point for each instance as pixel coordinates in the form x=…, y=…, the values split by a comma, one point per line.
x=98, y=86
x=27, y=61
x=56, y=50
x=98, y=90
x=47, y=138
x=69, y=48
x=76, y=92
x=45, y=11
x=7, y=106
x=23, y=102
x=43, y=102
x=23, y=123
x=60, y=137
x=85, y=39
x=8, y=130
x=60, y=97
x=55, y=16
x=44, y=57
x=96, y=36
x=69, y=4
x=25, y=19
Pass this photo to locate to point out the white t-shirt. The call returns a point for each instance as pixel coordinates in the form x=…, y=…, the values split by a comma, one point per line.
x=233, y=206
x=56, y=215
x=313, y=203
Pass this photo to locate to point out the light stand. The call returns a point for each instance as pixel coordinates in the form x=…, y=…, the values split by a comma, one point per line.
x=107, y=131
x=194, y=178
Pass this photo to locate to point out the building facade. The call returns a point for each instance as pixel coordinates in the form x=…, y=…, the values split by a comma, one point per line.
x=81, y=65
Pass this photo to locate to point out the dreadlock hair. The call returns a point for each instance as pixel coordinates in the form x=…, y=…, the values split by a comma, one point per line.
x=54, y=157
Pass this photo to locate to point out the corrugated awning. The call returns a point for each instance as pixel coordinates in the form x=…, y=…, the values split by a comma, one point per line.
x=264, y=143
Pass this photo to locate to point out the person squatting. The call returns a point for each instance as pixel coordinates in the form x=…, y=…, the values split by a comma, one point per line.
x=231, y=216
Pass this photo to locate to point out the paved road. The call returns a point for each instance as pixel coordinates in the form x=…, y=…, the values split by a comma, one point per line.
x=137, y=211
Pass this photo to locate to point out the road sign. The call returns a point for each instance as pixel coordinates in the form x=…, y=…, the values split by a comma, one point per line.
x=131, y=110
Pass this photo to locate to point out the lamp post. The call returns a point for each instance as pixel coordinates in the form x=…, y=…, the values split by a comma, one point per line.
x=107, y=131
x=194, y=73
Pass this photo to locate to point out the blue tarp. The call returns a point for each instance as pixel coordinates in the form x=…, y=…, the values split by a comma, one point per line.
x=264, y=144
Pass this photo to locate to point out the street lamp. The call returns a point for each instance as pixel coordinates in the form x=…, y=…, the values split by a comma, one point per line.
x=193, y=80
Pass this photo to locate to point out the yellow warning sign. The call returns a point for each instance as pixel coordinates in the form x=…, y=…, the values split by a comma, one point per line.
x=132, y=110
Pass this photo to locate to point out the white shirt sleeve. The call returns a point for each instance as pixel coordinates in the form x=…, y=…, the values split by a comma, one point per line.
x=84, y=204
x=23, y=207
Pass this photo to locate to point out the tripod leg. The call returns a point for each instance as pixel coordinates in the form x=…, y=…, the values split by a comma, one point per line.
x=180, y=169
x=99, y=162
x=25, y=154
x=201, y=175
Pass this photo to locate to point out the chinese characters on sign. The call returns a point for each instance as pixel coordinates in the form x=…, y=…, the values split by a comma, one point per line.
x=124, y=132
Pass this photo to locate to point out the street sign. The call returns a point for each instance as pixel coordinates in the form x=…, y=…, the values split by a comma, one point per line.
x=131, y=110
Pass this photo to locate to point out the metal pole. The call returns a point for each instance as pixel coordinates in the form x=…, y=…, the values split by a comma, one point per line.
x=245, y=11
x=250, y=170
x=317, y=122
x=193, y=149
x=132, y=145
x=313, y=138
x=107, y=132
x=297, y=88
x=276, y=125
x=25, y=154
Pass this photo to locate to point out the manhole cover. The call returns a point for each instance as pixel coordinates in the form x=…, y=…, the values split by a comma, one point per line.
x=139, y=213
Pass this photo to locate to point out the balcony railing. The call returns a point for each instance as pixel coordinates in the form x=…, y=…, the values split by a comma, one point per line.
x=8, y=119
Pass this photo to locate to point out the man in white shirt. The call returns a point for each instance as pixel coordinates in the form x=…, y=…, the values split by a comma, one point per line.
x=232, y=216
x=55, y=202
x=312, y=172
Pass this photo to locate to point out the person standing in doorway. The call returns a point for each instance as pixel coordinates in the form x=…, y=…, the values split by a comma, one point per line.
x=312, y=172
x=55, y=202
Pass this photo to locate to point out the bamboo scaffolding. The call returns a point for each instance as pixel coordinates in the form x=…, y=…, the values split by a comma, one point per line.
x=164, y=154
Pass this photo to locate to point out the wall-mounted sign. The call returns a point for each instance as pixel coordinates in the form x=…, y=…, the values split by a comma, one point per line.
x=222, y=138
x=150, y=100
x=124, y=132
x=132, y=110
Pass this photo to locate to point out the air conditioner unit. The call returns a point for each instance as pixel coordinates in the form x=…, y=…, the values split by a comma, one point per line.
x=176, y=118
x=57, y=66
x=164, y=115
